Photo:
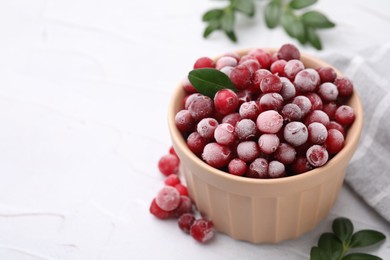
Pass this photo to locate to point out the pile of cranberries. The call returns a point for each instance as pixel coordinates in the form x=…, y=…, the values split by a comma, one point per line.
x=284, y=119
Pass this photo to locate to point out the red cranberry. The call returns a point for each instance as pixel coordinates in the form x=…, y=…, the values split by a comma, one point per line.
x=249, y=110
x=317, y=155
x=335, y=141
x=233, y=55
x=288, y=89
x=204, y=62
x=271, y=101
x=206, y=128
x=330, y=109
x=277, y=67
x=188, y=99
x=241, y=77
x=202, y=230
x=307, y=80
x=224, y=134
x=155, y=210
x=301, y=165
x=216, y=155
x=184, y=121
x=292, y=68
x=237, y=167
x=172, y=151
x=258, y=169
x=327, y=74
x=344, y=86
x=337, y=126
x=271, y=83
x=245, y=129
x=291, y=112
x=168, y=198
x=187, y=86
x=225, y=61
x=317, y=133
x=288, y=52
x=303, y=103
x=276, y=169
x=232, y=119
x=268, y=143
x=201, y=107
x=196, y=143
x=263, y=57
x=181, y=189
x=184, y=207
x=259, y=75
x=225, y=101
x=269, y=122
x=169, y=164
x=316, y=101
x=345, y=115
x=227, y=70
x=295, y=133
x=285, y=153
x=245, y=95
x=252, y=65
x=185, y=222
x=172, y=180
x=248, y=151
x=328, y=91
x=317, y=116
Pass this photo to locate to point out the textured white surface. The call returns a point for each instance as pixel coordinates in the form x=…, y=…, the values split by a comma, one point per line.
x=84, y=87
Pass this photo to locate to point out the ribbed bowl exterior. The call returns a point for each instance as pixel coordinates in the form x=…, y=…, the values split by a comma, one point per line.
x=265, y=210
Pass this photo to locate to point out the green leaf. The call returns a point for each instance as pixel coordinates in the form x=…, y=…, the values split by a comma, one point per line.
x=272, y=13
x=232, y=36
x=317, y=20
x=211, y=27
x=209, y=81
x=245, y=6
x=317, y=253
x=331, y=245
x=366, y=238
x=313, y=38
x=343, y=228
x=361, y=256
x=293, y=26
x=227, y=21
x=299, y=4
x=213, y=14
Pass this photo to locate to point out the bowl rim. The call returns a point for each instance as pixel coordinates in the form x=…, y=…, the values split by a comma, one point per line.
x=352, y=137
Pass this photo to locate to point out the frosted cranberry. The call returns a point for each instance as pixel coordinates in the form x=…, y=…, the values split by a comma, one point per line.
x=224, y=134
x=303, y=103
x=187, y=86
x=258, y=169
x=277, y=67
x=181, y=189
x=241, y=77
x=337, y=126
x=184, y=121
x=216, y=155
x=317, y=155
x=344, y=86
x=288, y=52
x=316, y=101
x=252, y=65
x=259, y=75
x=345, y=115
x=237, y=167
x=307, y=80
x=201, y=107
x=291, y=112
x=268, y=143
x=196, y=143
x=227, y=70
x=188, y=99
x=269, y=122
x=155, y=210
x=271, y=101
x=295, y=133
x=301, y=165
x=285, y=153
x=330, y=109
x=276, y=169
x=245, y=96
x=206, y=128
x=204, y=62
x=172, y=180
x=185, y=222
x=327, y=74
x=168, y=198
x=225, y=101
x=202, y=230
x=246, y=58
x=168, y=164
x=233, y=55
x=288, y=89
x=263, y=57
x=335, y=141
x=317, y=116
x=232, y=119
x=270, y=83
x=328, y=91
x=292, y=68
x=248, y=151
x=249, y=110
x=317, y=133
x=245, y=129
x=184, y=207
x=225, y=61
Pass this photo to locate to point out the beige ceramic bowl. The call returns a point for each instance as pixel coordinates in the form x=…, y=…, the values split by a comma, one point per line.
x=265, y=210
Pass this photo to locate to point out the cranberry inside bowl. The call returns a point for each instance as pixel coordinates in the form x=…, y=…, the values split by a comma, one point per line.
x=265, y=210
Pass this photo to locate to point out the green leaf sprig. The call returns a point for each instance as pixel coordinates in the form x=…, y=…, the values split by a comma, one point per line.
x=335, y=246
x=292, y=15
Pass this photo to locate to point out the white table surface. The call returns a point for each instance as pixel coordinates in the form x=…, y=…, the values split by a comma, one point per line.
x=84, y=89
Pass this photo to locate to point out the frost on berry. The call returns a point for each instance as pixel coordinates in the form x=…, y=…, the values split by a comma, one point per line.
x=202, y=230
x=263, y=57
x=169, y=164
x=288, y=52
x=292, y=68
x=307, y=80
x=188, y=99
x=216, y=155
x=172, y=180
x=184, y=121
x=245, y=129
x=270, y=83
x=295, y=133
x=327, y=74
x=337, y=126
x=291, y=112
x=317, y=116
x=258, y=169
x=252, y=65
x=344, y=86
x=241, y=77
x=316, y=101
x=301, y=165
x=196, y=143
x=155, y=210
x=317, y=133
x=345, y=115
x=277, y=67
x=285, y=153
x=328, y=91
x=227, y=70
x=268, y=143
x=303, y=103
x=231, y=119
x=335, y=141
x=201, y=107
x=288, y=89
x=249, y=110
x=184, y=207
x=259, y=75
x=181, y=189
x=330, y=109
x=206, y=128
x=271, y=101
x=224, y=134
x=168, y=198
x=269, y=122
x=225, y=61
x=225, y=101
x=248, y=151
x=185, y=222
x=237, y=167
x=276, y=169
x=187, y=86
x=317, y=155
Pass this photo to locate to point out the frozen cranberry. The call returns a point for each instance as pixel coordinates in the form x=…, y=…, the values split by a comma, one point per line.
x=172, y=180
x=181, y=189
x=184, y=121
x=246, y=58
x=317, y=133
x=155, y=210
x=307, y=80
x=184, y=207
x=227, y=70
x=291, y=112
x=224, y=134
x=206, y=128
x=245, y=95
x=317, y=155
x=188, y=99
x=295, y=133
x=202, y=230
x=225, y=61
x=344, y=86
x=187, y=86
x=317, y=116
x=335, y=141
x=225, y=101
x=258, y=169
x=303, y=103
x=204, y=62
x=288, y=52
x=241, y=77
x=271, y=101
x=249, y=110
x=252, y=65
x=245, y=129
x=288, y=89
x=172, y=151
x=196, y=143
x=248, y=151
x=201, y=107
x=263, y=57
x=168, y=198
x=269, y=122
x=337, y=126
x=330, y=109
x=168, y=164
x=270, y=83
x=292, y=68
x=328, y=91
x=301, y=165
x=268, y=143
x=277, y=67
x=237, y=167
x=327, y=74
x=345, y=115
x=232, y=119
x=316, y=101
x=285, y=153
x=276, y=169
x=259, y=75
x=185, y=222
x=216, y=155
x=233, y=55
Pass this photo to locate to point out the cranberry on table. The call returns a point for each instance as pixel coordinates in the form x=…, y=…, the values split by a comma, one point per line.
x=155, y=210
x=184, y=207
x=202, y=230
x=168, y=164
x=172, y=180
x=181, y=189
x=186, y=221
x=168, y=198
